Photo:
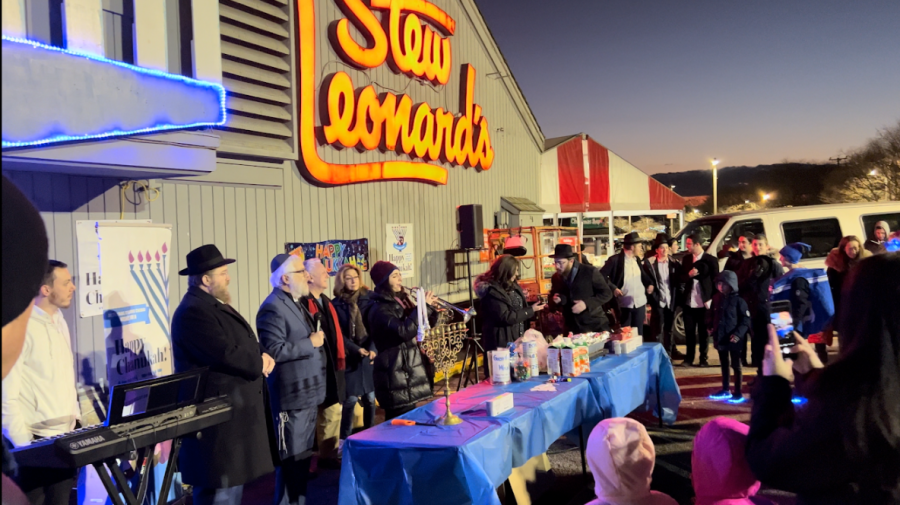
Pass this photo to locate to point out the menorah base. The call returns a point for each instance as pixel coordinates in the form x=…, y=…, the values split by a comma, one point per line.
x=449, y=419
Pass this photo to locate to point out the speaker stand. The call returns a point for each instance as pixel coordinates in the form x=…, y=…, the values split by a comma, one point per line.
x=472, y=343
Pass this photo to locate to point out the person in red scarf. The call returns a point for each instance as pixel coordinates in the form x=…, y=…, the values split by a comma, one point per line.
x=328, y=423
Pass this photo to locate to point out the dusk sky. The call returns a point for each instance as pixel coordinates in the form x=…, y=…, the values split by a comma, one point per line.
x=668, y=85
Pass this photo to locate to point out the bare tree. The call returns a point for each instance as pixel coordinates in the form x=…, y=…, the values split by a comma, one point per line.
x=871, y=174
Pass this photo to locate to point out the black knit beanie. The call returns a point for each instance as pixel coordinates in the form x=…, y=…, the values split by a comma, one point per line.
x=381, y=271
x=24, y=252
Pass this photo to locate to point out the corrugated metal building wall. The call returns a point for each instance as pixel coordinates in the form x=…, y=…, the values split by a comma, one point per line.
x=251, y=223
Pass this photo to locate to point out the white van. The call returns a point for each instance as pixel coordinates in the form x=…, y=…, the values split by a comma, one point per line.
x=820, y=226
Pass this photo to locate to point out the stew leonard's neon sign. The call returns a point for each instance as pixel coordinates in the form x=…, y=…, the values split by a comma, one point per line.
x=360, y=119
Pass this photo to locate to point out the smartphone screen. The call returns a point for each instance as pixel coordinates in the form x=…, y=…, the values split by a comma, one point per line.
x=780, y=317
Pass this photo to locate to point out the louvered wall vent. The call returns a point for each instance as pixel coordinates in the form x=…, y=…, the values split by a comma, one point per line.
x=257, y=72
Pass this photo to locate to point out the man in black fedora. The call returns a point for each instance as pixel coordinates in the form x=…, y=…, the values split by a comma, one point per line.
x=579, y=291
x=630, y=281
x=208, y=332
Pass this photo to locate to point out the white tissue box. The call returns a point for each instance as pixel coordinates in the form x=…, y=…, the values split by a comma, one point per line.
x=500, y=404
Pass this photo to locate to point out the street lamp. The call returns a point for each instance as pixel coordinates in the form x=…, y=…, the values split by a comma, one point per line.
x=886, y=188
x=767, y=197
x=715, y=163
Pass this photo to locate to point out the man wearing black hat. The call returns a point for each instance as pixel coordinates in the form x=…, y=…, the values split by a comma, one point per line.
x=24, y=265
x=297, y=385
x=579, y=291
x=208, y=332
x=663, y=273
x=631, y=282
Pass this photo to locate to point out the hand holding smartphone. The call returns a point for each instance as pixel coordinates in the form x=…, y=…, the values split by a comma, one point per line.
x=781, y=319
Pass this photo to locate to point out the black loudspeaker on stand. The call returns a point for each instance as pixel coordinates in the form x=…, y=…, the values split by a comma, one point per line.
x=471, y=236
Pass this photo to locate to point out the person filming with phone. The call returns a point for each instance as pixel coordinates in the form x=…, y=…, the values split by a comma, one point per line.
x=843, y=446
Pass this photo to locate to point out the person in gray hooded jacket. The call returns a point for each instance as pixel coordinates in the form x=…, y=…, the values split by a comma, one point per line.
x=730, y=324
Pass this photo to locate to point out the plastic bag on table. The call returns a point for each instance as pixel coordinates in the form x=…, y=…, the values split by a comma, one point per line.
x=535, y=336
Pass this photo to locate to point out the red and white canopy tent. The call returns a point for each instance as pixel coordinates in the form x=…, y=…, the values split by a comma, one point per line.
x=580, y=178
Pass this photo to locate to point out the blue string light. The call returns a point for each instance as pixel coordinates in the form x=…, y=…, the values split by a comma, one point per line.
x=218, y=88
x=799, y=400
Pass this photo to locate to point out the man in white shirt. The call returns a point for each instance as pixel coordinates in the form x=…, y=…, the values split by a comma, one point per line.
x=632, y=284
x=39, y=395
x=698, y=270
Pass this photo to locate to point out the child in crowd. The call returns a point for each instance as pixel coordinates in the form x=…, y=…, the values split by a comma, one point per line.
x=621, y=456
x=719, y=470
x=730, y=324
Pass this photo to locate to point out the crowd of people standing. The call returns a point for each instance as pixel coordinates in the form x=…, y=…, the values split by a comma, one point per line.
x=296, y=379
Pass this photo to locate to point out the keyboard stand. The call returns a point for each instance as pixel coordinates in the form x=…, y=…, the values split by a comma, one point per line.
x=145, y=467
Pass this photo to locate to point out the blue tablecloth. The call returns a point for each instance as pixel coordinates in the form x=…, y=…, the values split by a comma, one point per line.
x=466, y=463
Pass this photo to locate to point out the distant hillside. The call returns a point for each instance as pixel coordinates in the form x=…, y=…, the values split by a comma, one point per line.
x=790, y=183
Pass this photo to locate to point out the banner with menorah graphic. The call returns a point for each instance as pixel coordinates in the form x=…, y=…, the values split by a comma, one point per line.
x=135, y=263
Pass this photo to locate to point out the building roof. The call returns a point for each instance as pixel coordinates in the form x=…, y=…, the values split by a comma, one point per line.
x=520, y=204
x=555, y=141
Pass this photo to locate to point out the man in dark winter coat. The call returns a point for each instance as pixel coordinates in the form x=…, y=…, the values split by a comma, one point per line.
x=754, y=279
x=729, y=325
x=400, y=376
x=328, y=424
x=698, y=270
x=663, y=272
x=632, y=284
x=208, y=332
x=579, y=291
x=744, y=253
x=297, y=385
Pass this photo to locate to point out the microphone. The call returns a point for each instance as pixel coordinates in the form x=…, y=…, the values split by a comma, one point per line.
x=318, y=319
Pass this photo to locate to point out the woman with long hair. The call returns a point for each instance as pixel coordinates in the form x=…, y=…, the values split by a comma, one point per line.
x=349, y=295
x=401, y=379
x=843, y=446
x=503, y=306
x=839, y=263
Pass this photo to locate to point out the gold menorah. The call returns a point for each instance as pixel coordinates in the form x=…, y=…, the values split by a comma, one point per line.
x=442, y=344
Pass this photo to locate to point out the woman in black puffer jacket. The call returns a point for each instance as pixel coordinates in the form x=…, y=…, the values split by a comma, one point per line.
x=401, y=379
x=503, y=305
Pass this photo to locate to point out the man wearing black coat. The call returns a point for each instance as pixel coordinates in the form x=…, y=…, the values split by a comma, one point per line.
x=697, y=274
x=328, y=424
x=297, y=385
x=579, y=291
x=630, y=282
x=663, y=273
x=208, y=332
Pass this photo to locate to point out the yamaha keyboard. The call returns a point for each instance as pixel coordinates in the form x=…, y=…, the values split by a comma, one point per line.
x=98, y=443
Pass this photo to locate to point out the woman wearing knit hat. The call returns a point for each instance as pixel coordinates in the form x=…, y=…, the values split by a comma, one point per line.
x=401, y=379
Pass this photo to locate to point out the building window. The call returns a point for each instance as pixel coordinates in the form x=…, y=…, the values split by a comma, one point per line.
x=180, y=35
x=118, y=30
x=45, y=21
x=754, y=226
x=822, y=235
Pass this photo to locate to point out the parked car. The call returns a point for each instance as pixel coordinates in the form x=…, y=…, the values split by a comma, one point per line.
x=820, y=226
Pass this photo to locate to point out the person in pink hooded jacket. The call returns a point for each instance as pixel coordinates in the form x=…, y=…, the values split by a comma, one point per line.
x=719, y=469
x=621, y=456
